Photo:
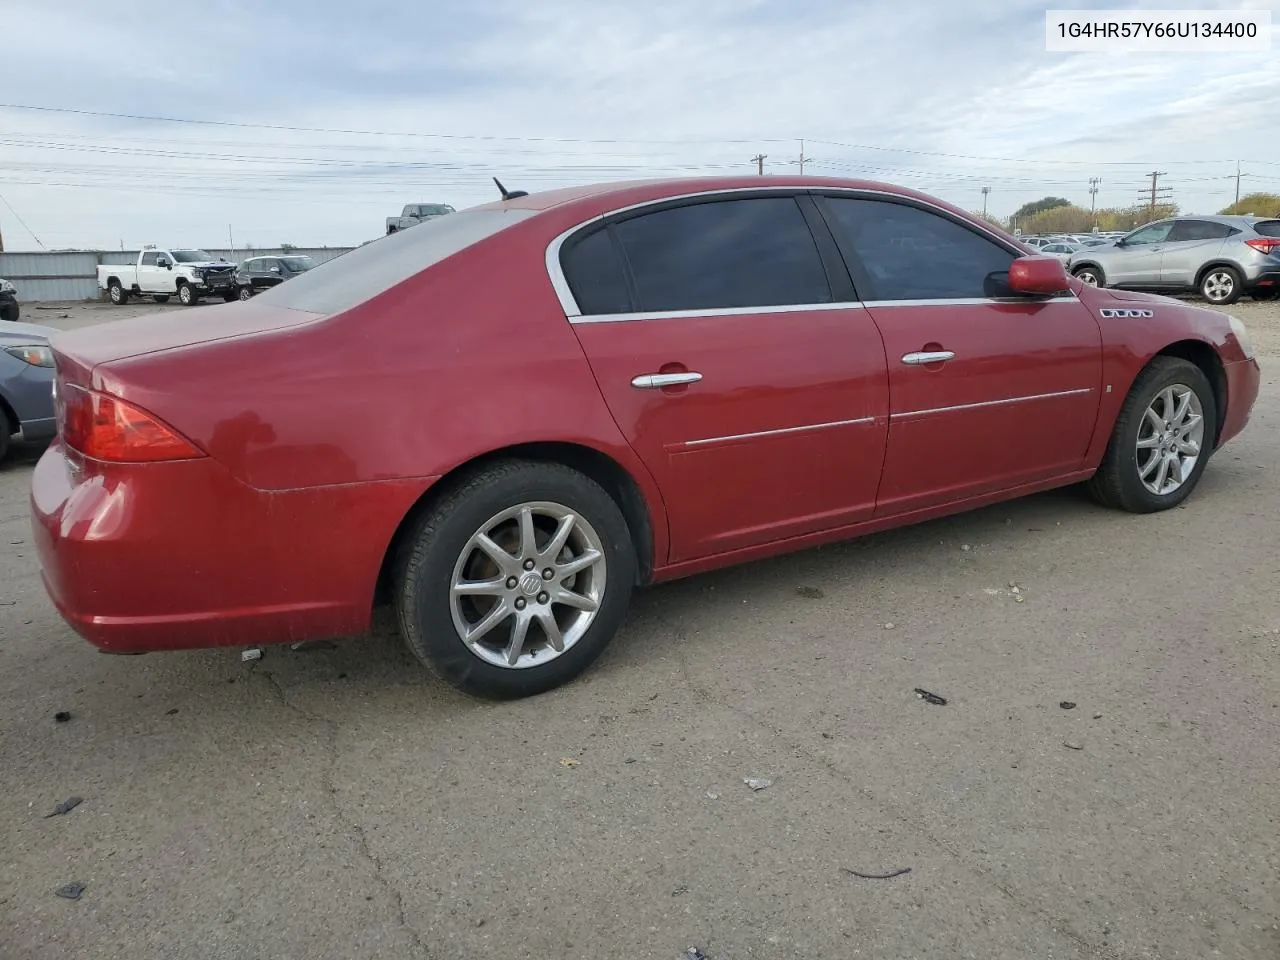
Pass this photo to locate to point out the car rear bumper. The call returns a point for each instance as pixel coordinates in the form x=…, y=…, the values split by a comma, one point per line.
x=1267, y=279
x=182, y=555
x=1243, y=378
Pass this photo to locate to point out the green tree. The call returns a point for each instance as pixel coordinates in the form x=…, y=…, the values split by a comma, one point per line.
x=1258, y=204
x=1036, y=206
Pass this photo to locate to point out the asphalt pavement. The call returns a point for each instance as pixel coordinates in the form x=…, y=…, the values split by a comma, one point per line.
x=341, y=803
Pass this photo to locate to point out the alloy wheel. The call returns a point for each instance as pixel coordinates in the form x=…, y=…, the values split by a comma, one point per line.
x=528, y=585
x=1218, y=286
x=1170, y=439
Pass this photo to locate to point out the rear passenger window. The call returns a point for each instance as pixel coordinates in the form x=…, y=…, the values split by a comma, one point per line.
x=149, y=259
x=911, y=254
x=1267, y=228
x=594, y=272
x=1199, y=230
x=754, y=252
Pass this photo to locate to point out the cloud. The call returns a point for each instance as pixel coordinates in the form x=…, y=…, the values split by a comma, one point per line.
x=564, y=91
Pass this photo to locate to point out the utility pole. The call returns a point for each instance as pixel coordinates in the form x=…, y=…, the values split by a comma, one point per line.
x=1237, y=181
x=1093, y=200
x=802, y=158
x=1155, y=193
x=758, y=160
x=231, y=244
x=985, y=191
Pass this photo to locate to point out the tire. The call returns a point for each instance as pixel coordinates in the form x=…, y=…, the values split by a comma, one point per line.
x=229, y=298
x=440, y=552
x=1091, y=275
x=246, y=293
x=9, y=313
x=1119, y=480
x=7, y=430
x=161, y=298
x=186, y=296
x=1221, y=286
x=1263, y=295
x=118, y=294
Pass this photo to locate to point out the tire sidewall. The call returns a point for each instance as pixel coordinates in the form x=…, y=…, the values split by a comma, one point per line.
x=1141, y=397
x=423, y=597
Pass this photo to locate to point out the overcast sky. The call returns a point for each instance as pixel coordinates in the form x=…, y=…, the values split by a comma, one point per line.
x=943, y=96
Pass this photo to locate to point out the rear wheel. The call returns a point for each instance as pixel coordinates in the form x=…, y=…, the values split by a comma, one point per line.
x=118, y=294
x=186, y=296
x=1221, y=286
x=1263, y=294
x=9, y=313
x=1090, y=275
x=7, y=429
x=1161, y=440
x=517, y=580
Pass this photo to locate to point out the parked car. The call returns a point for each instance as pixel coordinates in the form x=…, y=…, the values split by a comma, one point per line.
x=259, y=273
x=415, y=213
x=504, y=420
x=26, y=384
x=160, y=274
x=1061, y=251
x=1220, y=257
x=8, y=302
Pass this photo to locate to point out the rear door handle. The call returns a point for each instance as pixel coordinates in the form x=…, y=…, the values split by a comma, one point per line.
x=928, y=356
x=656, y=381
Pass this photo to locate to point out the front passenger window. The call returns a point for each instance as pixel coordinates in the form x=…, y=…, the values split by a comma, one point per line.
x=1156, y=233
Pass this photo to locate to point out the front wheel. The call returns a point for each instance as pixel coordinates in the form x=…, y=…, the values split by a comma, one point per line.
x=517, y=580
x=245, y=293
x=1092, y=276
x=186, y=296
x=1161, y=440
x=1221, y=286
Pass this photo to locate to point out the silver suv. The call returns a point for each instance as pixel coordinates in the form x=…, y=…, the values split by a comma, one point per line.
x=1220, y=257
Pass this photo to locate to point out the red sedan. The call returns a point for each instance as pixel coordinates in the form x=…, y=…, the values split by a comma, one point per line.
x=505, y=419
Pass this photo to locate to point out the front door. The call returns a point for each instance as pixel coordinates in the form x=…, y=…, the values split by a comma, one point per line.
x=1136, y=261
x=151, y=275
x=987, y=391
x=757, y=401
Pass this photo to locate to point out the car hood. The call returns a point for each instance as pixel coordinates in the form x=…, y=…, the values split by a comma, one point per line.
x=25, y=333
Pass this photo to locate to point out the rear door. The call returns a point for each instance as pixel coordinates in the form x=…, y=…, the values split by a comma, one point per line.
x=1138, y=262
x=988, y=391
x=1191, y=244
x=736, y=364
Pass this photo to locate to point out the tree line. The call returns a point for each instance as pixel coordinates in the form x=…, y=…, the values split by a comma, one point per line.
x=1059, y=215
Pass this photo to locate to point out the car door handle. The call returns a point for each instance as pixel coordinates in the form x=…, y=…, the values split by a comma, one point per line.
x=656, y=381
x=928, y=356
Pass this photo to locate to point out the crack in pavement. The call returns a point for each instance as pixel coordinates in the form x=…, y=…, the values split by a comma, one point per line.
x=353, y=825
x=1056, y=924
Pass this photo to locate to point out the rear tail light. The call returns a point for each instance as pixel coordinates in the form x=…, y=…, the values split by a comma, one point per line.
x=106, y=428
x=1264, y=244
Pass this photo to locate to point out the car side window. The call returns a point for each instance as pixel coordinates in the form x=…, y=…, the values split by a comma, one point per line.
x=1199, y=230
x=755, y=252
x=907, y=253
x=1156, y=233
x=149, y=259
x=595, y=274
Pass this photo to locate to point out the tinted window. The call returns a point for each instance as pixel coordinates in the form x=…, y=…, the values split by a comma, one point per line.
x=729, y=253
x=354, y=277
x=149, y=259
x=911, y=254
x=1155, y=233
x=594, y=272
x=1199, y=230
x=1267, y=228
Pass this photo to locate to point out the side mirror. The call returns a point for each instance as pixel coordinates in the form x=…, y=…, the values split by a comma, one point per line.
x=162, y=262
x=1038, y=276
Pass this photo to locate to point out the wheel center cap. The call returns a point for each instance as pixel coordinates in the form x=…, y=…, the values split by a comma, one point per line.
x=530, y=584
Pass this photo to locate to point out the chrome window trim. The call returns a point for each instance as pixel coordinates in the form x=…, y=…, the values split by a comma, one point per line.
x=570, y=305
x=711, y=312
x=990, y=403
x=781, y=431
x=964, y=301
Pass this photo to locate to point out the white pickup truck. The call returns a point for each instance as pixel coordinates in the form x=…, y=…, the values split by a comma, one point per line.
x=161, y=274
x=414, y=213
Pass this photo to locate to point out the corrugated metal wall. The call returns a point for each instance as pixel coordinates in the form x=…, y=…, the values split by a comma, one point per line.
x=42, y=277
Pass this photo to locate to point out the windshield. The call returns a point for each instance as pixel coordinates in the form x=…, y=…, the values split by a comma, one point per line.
x=297, y=264
x=192, y=256
x=434, y=209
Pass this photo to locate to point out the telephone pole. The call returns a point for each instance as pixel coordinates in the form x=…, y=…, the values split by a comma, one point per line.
x=1155, y=193
x=985, y=191
x=1237, y=181
x=1093, y=199
x=803, y=158
x=758, y=160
